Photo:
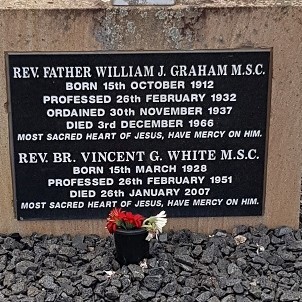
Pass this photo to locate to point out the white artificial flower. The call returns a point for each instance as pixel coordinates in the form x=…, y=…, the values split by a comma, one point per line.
x=160, y=220
x=155, y=224
x=150, y=236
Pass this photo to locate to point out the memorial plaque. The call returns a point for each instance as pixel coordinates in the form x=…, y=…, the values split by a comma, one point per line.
x=184, y=132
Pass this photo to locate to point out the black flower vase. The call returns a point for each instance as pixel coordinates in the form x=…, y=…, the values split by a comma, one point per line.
x=131, y=245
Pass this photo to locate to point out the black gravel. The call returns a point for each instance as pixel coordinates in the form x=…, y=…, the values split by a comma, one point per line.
x=251, y=264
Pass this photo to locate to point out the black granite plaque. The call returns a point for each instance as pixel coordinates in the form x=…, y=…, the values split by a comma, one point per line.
x=184, y=132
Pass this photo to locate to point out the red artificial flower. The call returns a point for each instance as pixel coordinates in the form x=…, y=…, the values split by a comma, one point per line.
x=114, y=219
x=121, y=219
x=111, y=227
x=138, y=220
x=135, y=220
x=115, y=214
